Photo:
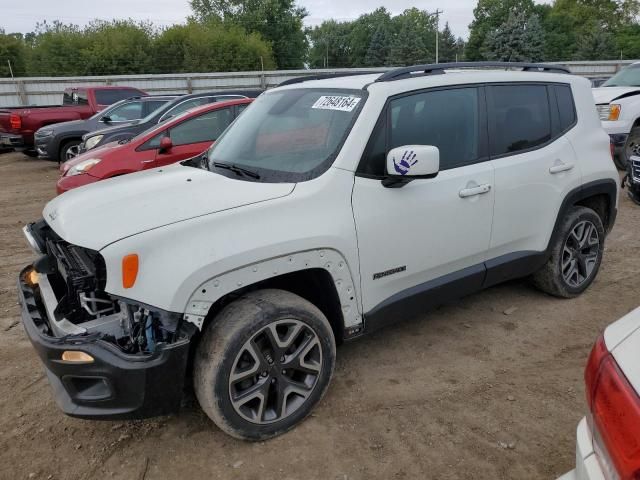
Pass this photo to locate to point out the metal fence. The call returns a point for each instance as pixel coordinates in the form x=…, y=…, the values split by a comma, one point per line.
x=48, y=90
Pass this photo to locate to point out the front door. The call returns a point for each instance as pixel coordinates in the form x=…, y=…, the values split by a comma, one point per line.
x=417, y=241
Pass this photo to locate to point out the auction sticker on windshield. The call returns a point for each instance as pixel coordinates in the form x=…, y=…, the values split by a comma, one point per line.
x=337, y=102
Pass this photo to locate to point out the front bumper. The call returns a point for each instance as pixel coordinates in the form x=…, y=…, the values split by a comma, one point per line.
x=44, y=146
x=587, y=465
x=65, y=184
x=115, y=385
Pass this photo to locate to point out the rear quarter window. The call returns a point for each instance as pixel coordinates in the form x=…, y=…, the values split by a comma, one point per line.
x=566, y=107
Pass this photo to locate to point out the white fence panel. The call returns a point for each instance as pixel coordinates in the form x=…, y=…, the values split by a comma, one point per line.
x=48, y=90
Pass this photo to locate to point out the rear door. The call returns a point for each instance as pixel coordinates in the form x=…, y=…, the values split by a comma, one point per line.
x=194, y=135
x=535, y=165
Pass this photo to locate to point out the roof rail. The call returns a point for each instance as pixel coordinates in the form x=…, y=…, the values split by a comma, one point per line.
x=324, y=76
x=439, y=68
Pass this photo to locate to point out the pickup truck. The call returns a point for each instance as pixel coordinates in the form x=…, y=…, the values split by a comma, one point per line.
x=18, y=124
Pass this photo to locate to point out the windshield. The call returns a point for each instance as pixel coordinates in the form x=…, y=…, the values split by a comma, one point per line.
x=629, y=77
x=288, y=135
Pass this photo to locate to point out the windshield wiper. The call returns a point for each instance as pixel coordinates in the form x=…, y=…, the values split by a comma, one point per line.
x=242, y=172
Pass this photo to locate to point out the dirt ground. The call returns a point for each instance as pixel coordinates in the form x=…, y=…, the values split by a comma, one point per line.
x=489, y=387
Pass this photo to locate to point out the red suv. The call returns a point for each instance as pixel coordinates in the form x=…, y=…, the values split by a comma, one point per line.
x=176, y=139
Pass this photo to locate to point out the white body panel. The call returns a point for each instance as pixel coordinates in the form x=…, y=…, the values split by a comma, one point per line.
x=424, y=226
x=529, y=196
x=176, y=259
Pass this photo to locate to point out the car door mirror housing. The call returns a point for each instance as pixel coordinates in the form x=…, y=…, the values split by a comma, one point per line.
x=411, y=162
x=105, y=119
x=165, y=144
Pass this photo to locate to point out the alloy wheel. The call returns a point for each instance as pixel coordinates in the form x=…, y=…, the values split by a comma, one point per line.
x=72, y=152
x=580, y=253
x=275, y=372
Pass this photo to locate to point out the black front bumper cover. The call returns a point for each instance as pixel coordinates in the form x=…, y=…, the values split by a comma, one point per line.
x=115, y=385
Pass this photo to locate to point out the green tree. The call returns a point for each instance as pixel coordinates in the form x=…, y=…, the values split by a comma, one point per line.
x=414, y=40
x=449, y=46
x=363, y=30
x=57, y=50
x=488, y=16
x=595, y=44
x=210, y=47
x=279, y=22
x=627, y=41
x=119, y=47
x=519, y=39
x=12, y=49
x=330, y=45
x=379, y=48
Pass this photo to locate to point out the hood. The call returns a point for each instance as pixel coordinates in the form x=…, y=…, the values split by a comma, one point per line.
x=64, y=126
x=99, y=214
x=609, y=94
x=109, y=130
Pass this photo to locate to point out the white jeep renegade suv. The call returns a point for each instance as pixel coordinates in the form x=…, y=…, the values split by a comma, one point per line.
x=330, y=208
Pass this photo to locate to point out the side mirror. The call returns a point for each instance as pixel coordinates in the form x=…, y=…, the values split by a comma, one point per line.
x=105, y=119
x=411, y=162
x=165, y=144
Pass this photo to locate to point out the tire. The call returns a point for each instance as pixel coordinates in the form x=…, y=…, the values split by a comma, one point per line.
x=631, y=148
x=226, y=347
x=576, y=255
x=69, y=150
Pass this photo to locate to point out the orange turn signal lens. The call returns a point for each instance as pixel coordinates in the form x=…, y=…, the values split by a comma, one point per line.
x=31, y=277
x=76, y=356
x=614, y=112
x=129, y=270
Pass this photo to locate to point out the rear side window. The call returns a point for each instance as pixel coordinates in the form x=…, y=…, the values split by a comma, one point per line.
x=75, y=97
x=447, y=119
x=107, y=97
x=566, y=107
x=152, y=105
x=519, y=118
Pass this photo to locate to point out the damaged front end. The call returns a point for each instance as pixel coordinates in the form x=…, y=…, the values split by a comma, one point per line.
x=104, y=356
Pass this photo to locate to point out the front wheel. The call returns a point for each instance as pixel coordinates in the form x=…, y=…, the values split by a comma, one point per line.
x=264, y=364
x=69, y=150
x=576, y=255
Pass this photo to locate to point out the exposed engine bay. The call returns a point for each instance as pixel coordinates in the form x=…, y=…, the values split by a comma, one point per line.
x=71, y=281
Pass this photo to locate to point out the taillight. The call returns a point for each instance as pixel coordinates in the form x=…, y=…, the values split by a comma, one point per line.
x=598, y=353
x=615, y=407
x=15, y=121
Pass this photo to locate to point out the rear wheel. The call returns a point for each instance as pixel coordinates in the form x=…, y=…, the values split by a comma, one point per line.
x=69, y=150
x=264, y=364
x=631, y=149
x=576, y=255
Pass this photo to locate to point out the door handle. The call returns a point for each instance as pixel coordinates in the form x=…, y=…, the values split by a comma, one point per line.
x=148, y=161
x=472, y=191
x=559, y=167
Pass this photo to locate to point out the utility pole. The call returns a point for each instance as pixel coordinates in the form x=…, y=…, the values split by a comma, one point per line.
x=437, y=14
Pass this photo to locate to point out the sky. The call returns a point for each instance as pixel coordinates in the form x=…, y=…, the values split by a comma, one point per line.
x=22, y=16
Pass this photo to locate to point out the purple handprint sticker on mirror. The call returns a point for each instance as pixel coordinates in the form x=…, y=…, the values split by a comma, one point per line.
x=406, y=162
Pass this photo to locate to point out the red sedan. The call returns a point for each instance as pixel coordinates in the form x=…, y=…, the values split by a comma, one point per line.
x=179, y=138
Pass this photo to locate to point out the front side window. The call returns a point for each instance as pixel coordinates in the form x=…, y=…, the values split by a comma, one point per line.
x=205, y=128
x=447, y=119
x=127, y=112
x=289, y=135
x=519, y=118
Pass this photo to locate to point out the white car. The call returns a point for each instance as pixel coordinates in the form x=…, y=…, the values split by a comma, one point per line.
x=330, y=208
x=618, y=104
x=608, y=439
